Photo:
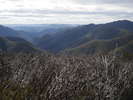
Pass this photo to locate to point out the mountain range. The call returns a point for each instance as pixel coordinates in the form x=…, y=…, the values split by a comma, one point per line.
x=115, y=37
x=90, y=39
x=14, y=45
x=11, y=41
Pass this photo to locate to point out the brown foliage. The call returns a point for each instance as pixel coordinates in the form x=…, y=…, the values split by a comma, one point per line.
x=62, y=77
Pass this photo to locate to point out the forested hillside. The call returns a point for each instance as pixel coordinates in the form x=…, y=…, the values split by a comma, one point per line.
x=90, y=39
x=15, y=44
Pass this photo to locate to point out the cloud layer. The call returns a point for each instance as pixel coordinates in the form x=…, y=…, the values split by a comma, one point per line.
x=64, y=11
x=124, y=2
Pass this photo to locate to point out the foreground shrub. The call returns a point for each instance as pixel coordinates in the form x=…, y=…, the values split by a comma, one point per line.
x=63, y=77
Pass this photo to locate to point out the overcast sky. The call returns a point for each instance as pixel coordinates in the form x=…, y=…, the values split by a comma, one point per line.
x=64, y=11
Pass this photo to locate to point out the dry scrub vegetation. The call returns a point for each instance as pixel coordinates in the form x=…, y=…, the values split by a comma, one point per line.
x=62, y=77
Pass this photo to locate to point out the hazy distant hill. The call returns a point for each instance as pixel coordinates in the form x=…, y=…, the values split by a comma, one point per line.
x=32, y=32
x=15, y=44
x=38, y=30
x=104, y=46
x=11, y=41
x=5, y=31
x=64, y=38
x=90, y=38
x=9, y=32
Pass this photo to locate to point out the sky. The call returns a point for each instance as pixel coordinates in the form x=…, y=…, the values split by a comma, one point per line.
x=64, y=11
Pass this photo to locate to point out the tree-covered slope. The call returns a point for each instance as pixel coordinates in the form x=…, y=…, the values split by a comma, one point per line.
x=64, y=38
x=5, y=31
x=86, y=34
x=14, y=44
x=121, y=44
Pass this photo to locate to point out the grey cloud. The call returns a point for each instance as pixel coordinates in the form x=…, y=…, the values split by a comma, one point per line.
x=110, y=13
x=25, y=15
x=47, y=13
x=39, y=11
x=130, y=2
x=15, y=0
x=70, y=15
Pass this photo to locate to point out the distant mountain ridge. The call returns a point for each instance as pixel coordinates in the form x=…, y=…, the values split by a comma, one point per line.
x=11, y=41
x=83, y=39
x=102, y=46
x=90, y=38
x=63, y=39
x=15, y=44
x=5, y=31
x=31, y=32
